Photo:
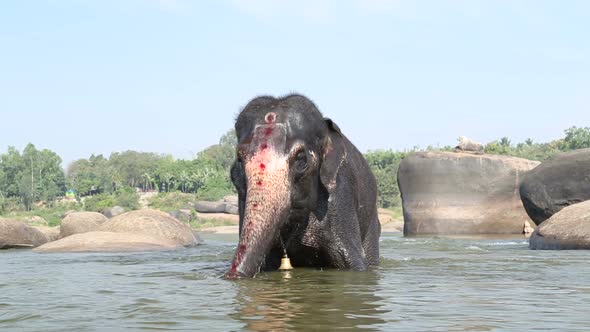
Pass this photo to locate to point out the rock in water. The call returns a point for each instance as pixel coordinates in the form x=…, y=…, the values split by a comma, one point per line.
x=154, y=223
x=16, y=234
x=107, y=241
x=558, y=182
x=566, y=229
x=81, y=222
x=459, y=193
x=52, y=233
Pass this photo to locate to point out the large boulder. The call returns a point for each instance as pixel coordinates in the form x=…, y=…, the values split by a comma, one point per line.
x=566, y=229
x=468, y=145
x=231, y=199
x=219, y=217
x=210, y=207
x=558, y=182
x=16, y=234
x=389, y=222
x=52, y=233
x=231, y=209
x=81, y=222
x=108, y=241
x=184, y=215
x=460, y=193
x=113, y=212
x=154, y=223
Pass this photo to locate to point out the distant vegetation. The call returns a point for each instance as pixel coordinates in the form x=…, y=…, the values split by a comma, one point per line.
x=35, y=180
x=386, y=162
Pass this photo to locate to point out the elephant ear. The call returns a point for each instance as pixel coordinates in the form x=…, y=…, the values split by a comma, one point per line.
x=333, y=155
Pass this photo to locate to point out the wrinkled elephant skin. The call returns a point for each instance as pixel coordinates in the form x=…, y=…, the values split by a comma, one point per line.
x=303, y=189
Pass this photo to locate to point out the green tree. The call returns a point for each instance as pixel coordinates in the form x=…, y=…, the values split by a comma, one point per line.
x=131, y=165
x=12, y=166
x=576, y=138
x=90, y=176
x=36, y=175
x=384, y=164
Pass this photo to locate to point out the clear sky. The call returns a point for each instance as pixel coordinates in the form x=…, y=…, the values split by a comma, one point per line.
x=169, y=76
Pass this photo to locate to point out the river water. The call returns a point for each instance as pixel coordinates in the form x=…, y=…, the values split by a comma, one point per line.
x=423, y=284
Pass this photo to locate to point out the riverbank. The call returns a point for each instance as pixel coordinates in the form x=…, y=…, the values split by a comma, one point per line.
x=391, y=222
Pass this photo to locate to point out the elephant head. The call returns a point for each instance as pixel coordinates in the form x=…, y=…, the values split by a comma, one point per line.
x=287, y=156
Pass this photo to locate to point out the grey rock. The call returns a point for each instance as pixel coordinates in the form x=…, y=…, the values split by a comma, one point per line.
x=154, y=223
x=567, y=229
x=231, y=209
x=81, y=222
x=183, y=215
x=469, y=145
x=558, y=182
x=52, y=233
x=231, y=199
x=108, y=242
x=459, y=193
x=210, y=207
x=113, y=212
x=16, y=234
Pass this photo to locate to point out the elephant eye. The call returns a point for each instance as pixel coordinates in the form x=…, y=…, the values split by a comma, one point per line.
x=300, y=164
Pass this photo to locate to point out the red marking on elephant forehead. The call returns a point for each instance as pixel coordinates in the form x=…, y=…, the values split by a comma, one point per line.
x=262, y=166
x=268, y=131
x=270, y=117
x=264, y=146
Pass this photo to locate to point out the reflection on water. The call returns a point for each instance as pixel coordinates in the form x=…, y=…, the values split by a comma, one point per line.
x=309, y=299
x=423, y=284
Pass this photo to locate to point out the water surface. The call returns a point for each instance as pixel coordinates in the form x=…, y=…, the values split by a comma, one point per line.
x=423, y=284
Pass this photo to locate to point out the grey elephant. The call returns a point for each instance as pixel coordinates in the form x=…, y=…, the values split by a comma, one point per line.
x=304, y=190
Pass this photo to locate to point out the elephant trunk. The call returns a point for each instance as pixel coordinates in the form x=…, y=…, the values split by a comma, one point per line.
x=267, y=204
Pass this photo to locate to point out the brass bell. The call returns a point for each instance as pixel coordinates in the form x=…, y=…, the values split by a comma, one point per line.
x=285, y=263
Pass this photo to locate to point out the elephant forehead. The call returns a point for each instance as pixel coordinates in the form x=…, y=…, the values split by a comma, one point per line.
x=269, y=136
x=297, y=123
x=302, y=125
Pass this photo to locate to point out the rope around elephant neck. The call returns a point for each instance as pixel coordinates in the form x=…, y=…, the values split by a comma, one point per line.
x=282, y=245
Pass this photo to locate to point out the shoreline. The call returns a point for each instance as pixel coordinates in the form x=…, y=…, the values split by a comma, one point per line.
x=391, y=227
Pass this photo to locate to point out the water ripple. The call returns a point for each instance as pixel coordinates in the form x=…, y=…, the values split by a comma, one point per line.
x=428, y=283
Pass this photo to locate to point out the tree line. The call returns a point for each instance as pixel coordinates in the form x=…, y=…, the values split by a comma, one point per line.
x=206, y=175
x=37, y=175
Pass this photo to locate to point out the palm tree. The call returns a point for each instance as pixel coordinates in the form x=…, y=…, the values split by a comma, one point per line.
x=505, y=141
x=147, y=181
x=185, y=180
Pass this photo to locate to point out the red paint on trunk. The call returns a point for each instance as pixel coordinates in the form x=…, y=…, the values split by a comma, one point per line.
x=239, y=255
x=262, y=166
x=259, y=183
x=254, y=205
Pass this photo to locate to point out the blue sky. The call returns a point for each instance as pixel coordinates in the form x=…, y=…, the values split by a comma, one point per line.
x=169, y=76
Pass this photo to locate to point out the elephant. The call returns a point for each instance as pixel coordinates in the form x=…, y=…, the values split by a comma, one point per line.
x=304, y=190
